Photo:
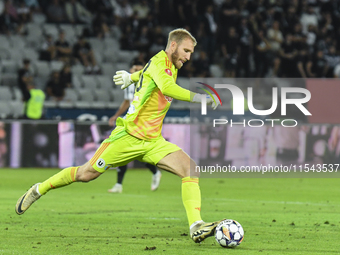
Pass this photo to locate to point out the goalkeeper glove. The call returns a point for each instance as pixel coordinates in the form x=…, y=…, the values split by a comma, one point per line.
x=213, y=101
x=122, y=78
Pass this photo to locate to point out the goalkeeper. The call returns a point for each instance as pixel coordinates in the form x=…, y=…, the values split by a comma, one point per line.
x=121, y=170
x=138, y=136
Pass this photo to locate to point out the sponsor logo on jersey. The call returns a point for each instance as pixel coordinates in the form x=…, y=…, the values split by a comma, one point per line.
x=168, y=71
x=100, y=163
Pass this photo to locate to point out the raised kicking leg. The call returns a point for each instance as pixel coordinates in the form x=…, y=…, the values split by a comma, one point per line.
x=84, y=173
x=182, y=165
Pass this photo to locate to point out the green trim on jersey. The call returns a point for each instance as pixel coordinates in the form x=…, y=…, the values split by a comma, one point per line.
x=150, y=88
x=117, y=133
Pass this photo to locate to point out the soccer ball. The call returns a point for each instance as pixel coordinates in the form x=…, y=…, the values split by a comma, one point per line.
x=229, y=233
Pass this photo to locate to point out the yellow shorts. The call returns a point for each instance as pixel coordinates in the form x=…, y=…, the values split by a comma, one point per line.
x=122, y=148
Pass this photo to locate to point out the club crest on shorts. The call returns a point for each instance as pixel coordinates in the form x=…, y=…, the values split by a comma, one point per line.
x=168, y=71
x=100, y=163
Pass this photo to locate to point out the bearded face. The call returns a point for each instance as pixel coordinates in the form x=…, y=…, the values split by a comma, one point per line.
x=175, y=59
x=181, y=52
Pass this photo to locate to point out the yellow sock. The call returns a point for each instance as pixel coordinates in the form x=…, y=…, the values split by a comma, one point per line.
x=191, y=196
x=63, y=178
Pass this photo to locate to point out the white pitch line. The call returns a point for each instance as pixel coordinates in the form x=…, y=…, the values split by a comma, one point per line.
x=153, y=218
x=275, y=202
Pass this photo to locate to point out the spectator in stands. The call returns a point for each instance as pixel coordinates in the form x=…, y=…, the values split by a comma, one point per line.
x=55, y=89
x=299, y=39
x=337, y=71
x=150, y=21
x=55, y=12
x=229, y=14
x=317, y=66
x=210, y=26
x=311, y=37
x=100, y=26
x=246, y=45
x=332, y=59
x=324, y=42
x=308, y=17
x=66, y=76
x=10, y=8
x=127, y=40
x=201, y=36
x=24, y=12
x=297, y=6
x=269, y=16
x=123, y=12
x=135, y=23
x=290, y=19
x=254, y=24
x=288, y=56
x=165, y=11
x=261, y=49
x=9, y=20
x=48, y=49
x=337, y=38
x=83, y=52
x=33, y=5
x=101, y=6
x=63, y=48
x=326, y=22
x=25, y=78
x=158, y=40
x=2, y=9
x=144, y=40
x=157, y=45
x=142, y=57
x=275, y=39
x=77, y=13
x=142, y=8
x=158, y=33
x=230, y=51
x=187, y=13
x=302, y=60
x=201, y=65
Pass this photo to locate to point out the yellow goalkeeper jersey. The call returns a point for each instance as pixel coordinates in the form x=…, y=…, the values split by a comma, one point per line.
x=154, y=92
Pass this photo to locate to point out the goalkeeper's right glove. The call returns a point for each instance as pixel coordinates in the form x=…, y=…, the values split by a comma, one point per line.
x=122, y=78
x=214, y=102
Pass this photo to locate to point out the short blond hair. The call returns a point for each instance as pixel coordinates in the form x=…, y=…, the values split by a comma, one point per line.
x=178, y=35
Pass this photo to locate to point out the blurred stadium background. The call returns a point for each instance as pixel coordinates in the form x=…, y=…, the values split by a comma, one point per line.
x=267, y=38
x=273, y=40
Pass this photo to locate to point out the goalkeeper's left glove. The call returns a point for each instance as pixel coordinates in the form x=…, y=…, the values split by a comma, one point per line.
x=122, y=78
x=213, y=101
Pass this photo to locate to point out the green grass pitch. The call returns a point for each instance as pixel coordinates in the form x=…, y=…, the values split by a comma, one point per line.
x=279, y=216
